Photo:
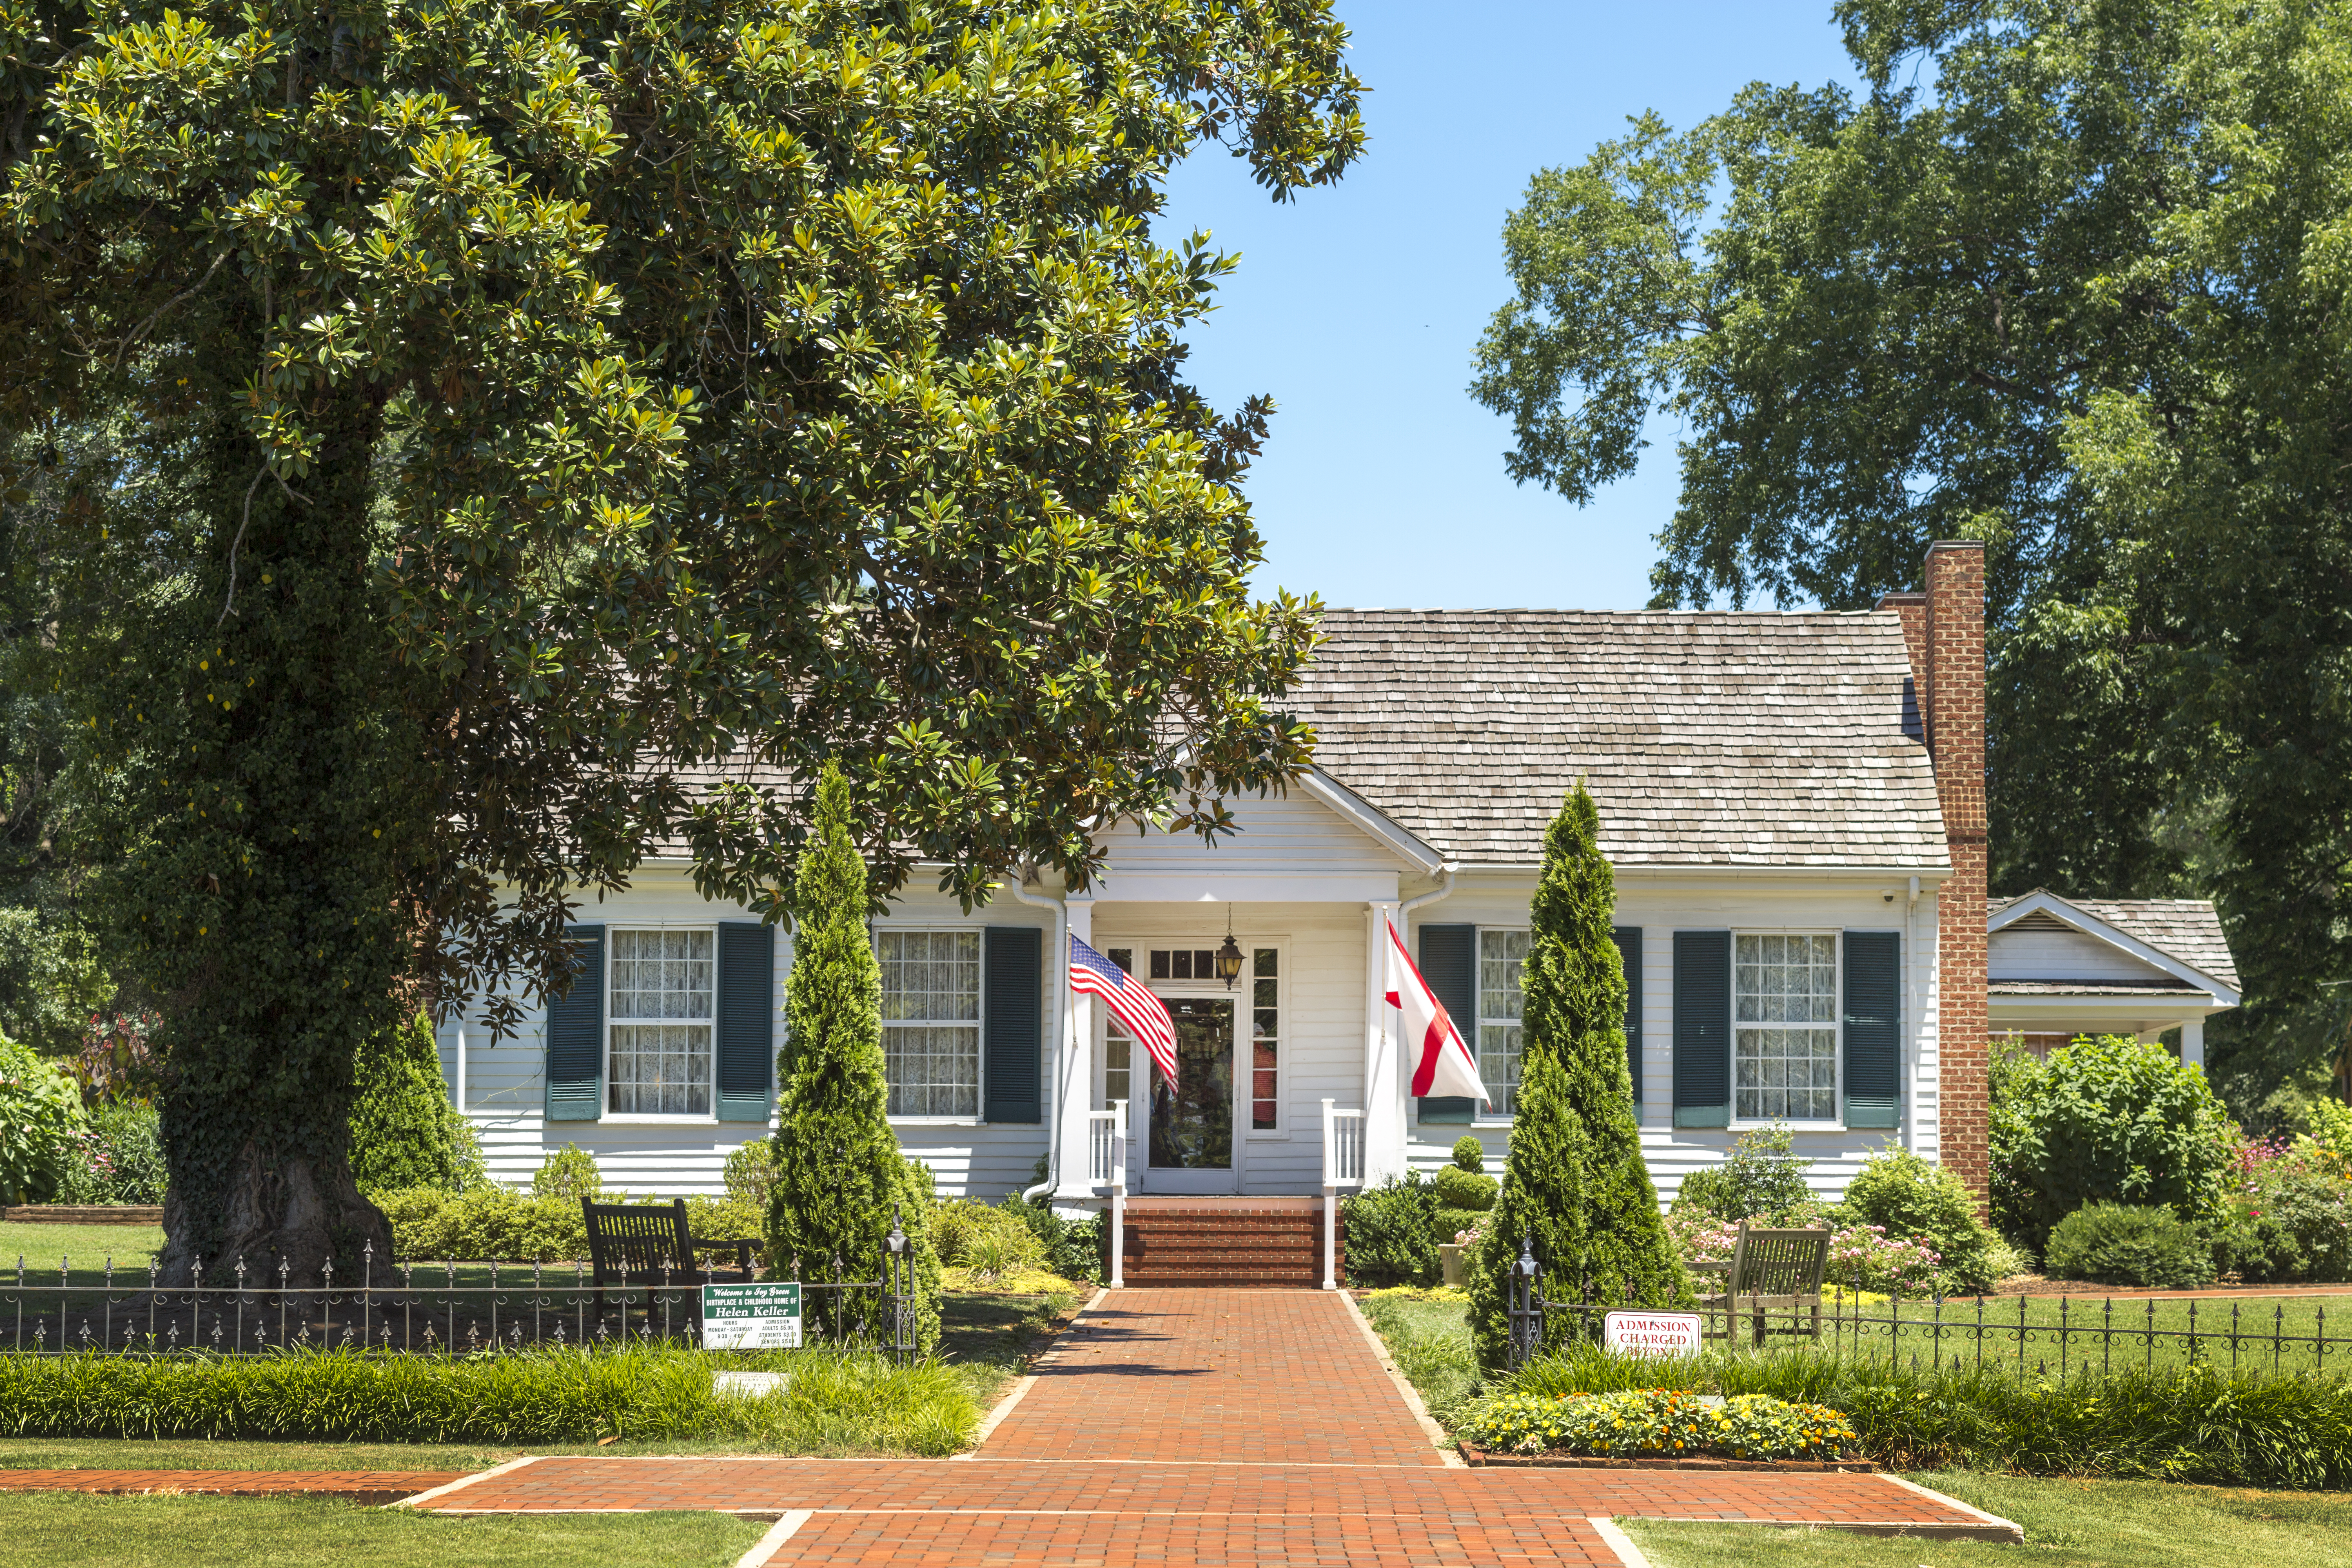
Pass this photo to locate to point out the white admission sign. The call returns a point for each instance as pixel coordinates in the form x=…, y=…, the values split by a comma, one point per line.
x=1652, y=1333
x=751, y=1317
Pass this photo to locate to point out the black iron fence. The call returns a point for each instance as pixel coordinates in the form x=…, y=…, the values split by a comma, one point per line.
x=2018, y=1336
x=450, y=1308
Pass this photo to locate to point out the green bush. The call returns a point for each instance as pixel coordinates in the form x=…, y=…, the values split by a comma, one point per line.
x=1470, y=1156
x=486, y=1224
x=2292, y=1223
x=42, y=1127
x=862, y=1403
x=1762, y=1179
x=570, y=1174
x=972, y=1235
x=122, y=1157
x=404, y=1131
x=1393, y=1233
x=2108, y=1119
x=1451, y=1223
x=1073, y=1248
x=1461, y=1189
x=2129, y=1243
x=1912, y=1199
x=750, y=1173
x=1644, y=1421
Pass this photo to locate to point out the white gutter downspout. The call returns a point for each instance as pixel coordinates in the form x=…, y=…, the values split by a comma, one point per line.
x=1445, y=890
x=1910, y=1043
x=1059, y=959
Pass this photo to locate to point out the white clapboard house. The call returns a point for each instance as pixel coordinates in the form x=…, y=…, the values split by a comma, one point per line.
x=1793, y=804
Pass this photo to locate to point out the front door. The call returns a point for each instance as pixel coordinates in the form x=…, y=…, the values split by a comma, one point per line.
x=1191, y=1130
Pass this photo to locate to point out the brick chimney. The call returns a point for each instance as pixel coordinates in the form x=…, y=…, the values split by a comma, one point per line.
x=1943, y=629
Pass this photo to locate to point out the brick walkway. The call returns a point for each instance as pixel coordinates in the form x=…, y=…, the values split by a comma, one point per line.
x=1252, y=1377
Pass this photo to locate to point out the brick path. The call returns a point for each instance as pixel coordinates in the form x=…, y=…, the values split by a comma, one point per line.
x=1248, y=1376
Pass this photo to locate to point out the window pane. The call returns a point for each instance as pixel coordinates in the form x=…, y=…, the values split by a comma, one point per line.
x=662, y=974
x=660, y=1070
x=1262, y=964
x=933, y=1071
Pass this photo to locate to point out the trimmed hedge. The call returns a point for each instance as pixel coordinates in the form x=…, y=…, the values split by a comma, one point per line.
x=538, y=1396
x=1664, y=1422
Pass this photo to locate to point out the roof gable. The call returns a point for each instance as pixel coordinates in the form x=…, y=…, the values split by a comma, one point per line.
x=1708, y=738
x=2138, y=942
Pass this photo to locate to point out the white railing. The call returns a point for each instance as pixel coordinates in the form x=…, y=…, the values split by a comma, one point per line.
x=1107, y=1168
x=1343, y=1166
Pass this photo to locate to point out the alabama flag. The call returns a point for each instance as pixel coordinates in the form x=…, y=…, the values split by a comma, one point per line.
x=1441, y=1062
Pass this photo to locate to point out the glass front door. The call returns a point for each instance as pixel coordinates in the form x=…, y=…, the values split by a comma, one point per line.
x=1193, y=1118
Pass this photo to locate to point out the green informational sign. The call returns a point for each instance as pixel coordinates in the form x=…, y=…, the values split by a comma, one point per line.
x=751, y=1317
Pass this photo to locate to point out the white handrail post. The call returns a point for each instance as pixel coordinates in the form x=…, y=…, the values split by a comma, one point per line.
x=1119, y=1196
x=1330, y=1205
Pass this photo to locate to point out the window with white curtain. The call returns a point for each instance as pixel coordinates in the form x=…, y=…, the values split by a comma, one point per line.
x=930, y=1021
x=1784, y=1028
x=1502, y=956
x=660, y=1022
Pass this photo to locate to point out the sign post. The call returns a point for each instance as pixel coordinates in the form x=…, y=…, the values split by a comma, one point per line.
x=1651, y=1334
x=751, y=1317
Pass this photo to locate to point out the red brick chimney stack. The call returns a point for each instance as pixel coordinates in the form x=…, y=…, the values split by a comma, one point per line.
x=1944, y=631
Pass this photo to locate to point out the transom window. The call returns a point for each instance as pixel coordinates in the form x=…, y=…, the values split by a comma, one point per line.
x=1502, y=957
x=660, y=1023
x=1785, y=1028
x=930, y=1021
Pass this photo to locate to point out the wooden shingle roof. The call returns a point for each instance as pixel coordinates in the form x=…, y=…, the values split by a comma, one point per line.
x=2188, y=929
x=1707, y=738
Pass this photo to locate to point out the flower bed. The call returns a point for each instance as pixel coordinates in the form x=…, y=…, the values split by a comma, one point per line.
x=1659, y=1423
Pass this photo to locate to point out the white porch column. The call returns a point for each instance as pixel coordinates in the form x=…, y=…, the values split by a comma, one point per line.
x=1076, y=1096
x=2192, y=1042
x=1384, y=1125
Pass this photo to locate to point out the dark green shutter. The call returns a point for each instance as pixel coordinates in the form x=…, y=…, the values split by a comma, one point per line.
x=1702, y=1028
x=1629, y=948
x=575, y=1034
x=747, y=1014
x=1449, y=961
x=1873, y=1033
x=1013, y=1023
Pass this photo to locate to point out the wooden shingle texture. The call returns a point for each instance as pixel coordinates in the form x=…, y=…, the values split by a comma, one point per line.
x=2186, y=928
x=1707, y=738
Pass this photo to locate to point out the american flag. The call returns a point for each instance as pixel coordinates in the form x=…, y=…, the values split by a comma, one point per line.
x=1130, y=1001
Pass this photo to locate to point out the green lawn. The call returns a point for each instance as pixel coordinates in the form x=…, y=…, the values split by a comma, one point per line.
x=63, y=1529
x=2068, y=1524
x=89, y=1245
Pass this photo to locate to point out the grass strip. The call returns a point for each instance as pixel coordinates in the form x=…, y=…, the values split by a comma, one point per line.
x=833, y=1405
x=2068, y=1524
x=66, y=1530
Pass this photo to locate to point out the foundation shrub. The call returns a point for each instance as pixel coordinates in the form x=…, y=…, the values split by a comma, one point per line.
x=404, y=1131
x=1461, y=1189
x=488, y=1224
x=1908, y=1199
x=832, y=1404
x=967, y=1229
x=1762, y=1179
x=43, y=1131
x=749, y=1174
x=1393, y=1232
x=1651, y=1422
x=1072, y=1248
x=2130, y=1243
x=570, y=1174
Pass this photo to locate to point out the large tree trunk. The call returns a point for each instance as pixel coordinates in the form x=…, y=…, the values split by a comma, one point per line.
x=285, y=817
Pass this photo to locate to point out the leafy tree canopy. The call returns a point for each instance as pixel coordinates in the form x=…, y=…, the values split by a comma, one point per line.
x=2064, y=276
x=597, y=415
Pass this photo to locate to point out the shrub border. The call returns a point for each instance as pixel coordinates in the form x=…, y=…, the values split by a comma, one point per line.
x=1480, y=1458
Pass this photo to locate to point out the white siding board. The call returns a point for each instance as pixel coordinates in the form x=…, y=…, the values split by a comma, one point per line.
x=2067, y=955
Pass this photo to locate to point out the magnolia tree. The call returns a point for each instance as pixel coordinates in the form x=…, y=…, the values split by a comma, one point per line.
x=589, y=419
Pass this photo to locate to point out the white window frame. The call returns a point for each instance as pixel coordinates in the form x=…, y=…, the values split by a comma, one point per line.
x=979, y=1022
x=612, y=967
x=1836, y=1025
x=1479, y=1115
x=1245, y=1044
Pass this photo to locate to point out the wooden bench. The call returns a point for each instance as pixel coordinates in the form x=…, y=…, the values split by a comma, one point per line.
x=1771, y=1269
x=645, y=1243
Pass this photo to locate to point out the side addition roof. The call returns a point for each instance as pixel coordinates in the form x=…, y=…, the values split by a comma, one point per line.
x=2178, y=933
x=1707, y=738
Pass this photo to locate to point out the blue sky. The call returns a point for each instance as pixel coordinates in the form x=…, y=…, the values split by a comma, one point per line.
x=1357, y=307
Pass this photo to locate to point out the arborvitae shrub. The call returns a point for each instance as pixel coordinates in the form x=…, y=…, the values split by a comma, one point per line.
x=1574, y=1183
x=840, y=1179
x=404, y=1131
x=2130, y=1243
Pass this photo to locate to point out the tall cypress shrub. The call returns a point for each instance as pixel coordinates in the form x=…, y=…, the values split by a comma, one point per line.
x=1573, y=1182
x=838, y=1171
x=404, y=1131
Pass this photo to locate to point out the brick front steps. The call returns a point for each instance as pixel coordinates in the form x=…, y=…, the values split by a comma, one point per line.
x=1480, y=1458
x=1225, y=1242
